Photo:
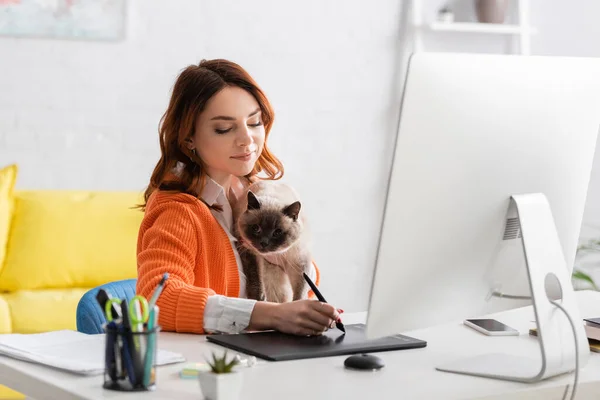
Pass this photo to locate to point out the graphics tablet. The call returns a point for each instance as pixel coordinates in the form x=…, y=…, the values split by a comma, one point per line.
x=277, y=346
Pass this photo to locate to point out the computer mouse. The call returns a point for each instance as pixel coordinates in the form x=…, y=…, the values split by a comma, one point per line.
x=365, y=362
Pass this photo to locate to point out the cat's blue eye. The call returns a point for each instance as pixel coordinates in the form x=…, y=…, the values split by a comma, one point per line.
x=255, y=228
x=277, y=233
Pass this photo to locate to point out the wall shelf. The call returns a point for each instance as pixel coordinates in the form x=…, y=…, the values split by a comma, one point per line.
x=477, y=27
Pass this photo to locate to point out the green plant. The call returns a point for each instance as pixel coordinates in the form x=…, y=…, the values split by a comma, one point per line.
x=582, y=276
x=220, y=365
x=592, y=245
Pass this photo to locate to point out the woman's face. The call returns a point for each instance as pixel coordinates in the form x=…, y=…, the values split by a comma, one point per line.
x=229, y=134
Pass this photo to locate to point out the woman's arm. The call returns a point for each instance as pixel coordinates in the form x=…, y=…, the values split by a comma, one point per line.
x=168, y=242
x=300, y=317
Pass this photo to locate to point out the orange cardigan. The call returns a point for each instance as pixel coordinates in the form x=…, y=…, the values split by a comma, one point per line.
x=179, y=235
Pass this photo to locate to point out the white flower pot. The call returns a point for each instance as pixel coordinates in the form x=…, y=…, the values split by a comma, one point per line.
x=220, y=386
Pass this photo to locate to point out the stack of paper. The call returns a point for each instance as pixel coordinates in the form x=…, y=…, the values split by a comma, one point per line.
x=67, y=350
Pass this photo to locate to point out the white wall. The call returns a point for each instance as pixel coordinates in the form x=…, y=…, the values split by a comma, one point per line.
x=570, y=29
x=84, y=115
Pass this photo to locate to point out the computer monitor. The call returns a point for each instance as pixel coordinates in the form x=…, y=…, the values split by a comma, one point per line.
x=476, y=129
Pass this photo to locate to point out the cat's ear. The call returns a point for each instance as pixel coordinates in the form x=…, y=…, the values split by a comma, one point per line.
x=292, y=210
x=253, y=203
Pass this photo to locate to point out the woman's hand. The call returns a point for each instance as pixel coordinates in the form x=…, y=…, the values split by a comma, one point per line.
x=301, y=317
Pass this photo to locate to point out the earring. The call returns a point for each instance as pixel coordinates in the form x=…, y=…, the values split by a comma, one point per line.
x=194, y=153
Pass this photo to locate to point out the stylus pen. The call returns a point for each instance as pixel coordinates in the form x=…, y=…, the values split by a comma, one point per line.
x=339, y=324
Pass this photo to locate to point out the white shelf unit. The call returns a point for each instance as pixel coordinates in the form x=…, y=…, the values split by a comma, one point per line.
x=522, y=29
x=415, y=26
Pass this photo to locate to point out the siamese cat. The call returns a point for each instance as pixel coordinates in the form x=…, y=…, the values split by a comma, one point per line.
x=273, y=242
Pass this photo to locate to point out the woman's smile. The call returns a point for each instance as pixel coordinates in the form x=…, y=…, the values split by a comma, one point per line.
x=244, y=156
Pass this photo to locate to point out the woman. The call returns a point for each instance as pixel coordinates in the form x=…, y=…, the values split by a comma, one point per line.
x=213, y=141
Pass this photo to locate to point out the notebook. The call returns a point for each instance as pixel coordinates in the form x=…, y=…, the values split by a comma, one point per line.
x=276, y=346
x=67, y=350
x=595, y=322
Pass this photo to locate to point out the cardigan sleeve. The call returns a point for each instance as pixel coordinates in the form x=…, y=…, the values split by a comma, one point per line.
x=169, y=242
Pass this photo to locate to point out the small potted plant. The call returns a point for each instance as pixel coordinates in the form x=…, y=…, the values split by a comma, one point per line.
x=445, y=14
x=222, y=382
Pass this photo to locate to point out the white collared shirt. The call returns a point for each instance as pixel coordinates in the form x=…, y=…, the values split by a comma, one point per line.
x=228, y=314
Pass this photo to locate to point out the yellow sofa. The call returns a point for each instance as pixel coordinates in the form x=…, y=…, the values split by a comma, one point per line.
x=56, y=245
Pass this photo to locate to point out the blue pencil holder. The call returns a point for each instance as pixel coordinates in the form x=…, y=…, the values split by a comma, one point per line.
x=130, y=359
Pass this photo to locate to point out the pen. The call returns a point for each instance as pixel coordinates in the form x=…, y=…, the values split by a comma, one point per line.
x=111, y=352
x=148, y=359
x=127, y=359
x=158, y=291
x=338, y=324
x=129, y=349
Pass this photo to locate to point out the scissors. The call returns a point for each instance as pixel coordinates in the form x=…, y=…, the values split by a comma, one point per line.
x=138, y=311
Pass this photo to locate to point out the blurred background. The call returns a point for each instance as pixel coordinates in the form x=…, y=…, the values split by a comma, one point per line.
x=83, y=85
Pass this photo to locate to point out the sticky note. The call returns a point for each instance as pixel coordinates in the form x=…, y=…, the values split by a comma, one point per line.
x=191, y=370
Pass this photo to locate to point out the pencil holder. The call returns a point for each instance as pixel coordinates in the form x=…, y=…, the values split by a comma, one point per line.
x=130, y=359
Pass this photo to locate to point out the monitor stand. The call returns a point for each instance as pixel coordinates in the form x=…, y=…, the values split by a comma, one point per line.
x=544, y=261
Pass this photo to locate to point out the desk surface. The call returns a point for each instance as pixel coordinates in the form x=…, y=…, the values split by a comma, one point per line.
x=409, y=373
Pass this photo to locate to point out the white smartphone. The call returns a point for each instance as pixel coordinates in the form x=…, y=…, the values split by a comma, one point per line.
x=491, y=327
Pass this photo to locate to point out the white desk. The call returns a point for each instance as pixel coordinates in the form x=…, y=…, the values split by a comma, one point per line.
x=409, y=374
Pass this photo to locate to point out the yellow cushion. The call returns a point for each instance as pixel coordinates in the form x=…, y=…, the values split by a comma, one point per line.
x=43, y=310
x=8, y=176
x=5, y=320
x=7, y=393
x=64, y=239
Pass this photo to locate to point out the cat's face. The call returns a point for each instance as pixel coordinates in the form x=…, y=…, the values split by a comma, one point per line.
x=270, y=228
